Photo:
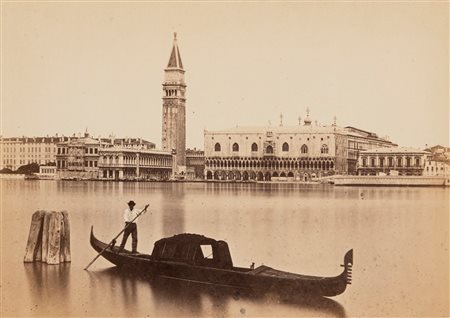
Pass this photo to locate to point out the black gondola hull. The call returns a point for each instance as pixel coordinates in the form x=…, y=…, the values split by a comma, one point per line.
x=262, y=279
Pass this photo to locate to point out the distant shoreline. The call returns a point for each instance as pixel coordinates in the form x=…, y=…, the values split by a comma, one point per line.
x=365, y=181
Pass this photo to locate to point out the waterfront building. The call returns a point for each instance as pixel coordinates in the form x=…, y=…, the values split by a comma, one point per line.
x=47, y=172
x=173, y=137
x=401, y=161
x=19, y=151
x=278, y=153
x=79, y=157
x=436, y=168
x=359, y=140
x=127, y=163
x=195, y=164
x=438, y=163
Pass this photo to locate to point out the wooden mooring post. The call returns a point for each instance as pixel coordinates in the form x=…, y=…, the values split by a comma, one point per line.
x=49, y=238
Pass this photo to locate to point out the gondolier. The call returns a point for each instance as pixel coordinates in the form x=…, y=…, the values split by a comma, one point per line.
x=129, y=216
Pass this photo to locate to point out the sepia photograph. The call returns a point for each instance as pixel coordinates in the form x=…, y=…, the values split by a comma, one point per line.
x=224, y=158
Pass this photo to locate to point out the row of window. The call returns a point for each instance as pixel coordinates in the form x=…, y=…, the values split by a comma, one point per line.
x=91, y=150
x=432, y=168
x=143, y=160
x=303, y=164
x=27, y=156
x=90, y=163
x=173, y=92
x=390, y=162
x=48, y=170
x=29, y=149
x=270, y=134
x=269, y=148
x=63, y=151
x=61, y=164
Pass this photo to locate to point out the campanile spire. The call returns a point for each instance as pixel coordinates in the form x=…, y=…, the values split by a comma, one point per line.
x=175, y=57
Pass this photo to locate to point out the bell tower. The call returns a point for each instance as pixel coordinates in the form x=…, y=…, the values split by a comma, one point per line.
x=174, y=108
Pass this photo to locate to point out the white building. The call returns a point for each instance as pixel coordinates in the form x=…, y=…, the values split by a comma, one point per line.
x=19, y=151
x=79, y=158
x=122, y=163
x=392, y=161
x=301, y=152
x=47, y=172
x=436, y=168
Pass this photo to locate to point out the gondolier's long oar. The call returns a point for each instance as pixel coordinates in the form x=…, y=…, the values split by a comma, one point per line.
x=114, y=239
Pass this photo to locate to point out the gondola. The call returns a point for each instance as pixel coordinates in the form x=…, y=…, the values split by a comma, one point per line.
x=194, y=257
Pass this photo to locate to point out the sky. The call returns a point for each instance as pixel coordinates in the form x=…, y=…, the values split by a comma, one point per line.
x=99, y=66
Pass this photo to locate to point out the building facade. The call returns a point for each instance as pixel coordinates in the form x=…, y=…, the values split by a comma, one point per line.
x=173, y=136
x=401, y=161
x=78, y=158
x=195, y=164
x=284, y=153
x=47, y=172
x=360, y=140
x=438, y=163
x=436, y=168
x=19, y=151
x=121, y=163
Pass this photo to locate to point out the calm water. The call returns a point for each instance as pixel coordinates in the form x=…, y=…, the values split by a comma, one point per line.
x=399, y=235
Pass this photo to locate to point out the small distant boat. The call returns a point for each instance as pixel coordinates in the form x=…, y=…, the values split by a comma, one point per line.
x=193, y=257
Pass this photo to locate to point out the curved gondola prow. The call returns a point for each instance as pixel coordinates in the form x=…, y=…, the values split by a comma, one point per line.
x=92, y=238
x=348, y=265
x=96, y=243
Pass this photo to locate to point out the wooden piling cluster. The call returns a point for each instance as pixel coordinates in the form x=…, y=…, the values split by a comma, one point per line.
x=49, y=238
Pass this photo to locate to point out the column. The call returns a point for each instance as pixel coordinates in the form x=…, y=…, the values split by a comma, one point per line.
x=137, y=165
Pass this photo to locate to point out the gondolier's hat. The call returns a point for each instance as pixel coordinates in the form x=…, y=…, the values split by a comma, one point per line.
x=131, y=203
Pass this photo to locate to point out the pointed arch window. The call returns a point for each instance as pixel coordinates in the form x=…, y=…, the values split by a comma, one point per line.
x=269, y=149
x=235, y=147
x=254, y=147
x=285, y=147
x=217, y=147
x=304, y=149
x=324, y=149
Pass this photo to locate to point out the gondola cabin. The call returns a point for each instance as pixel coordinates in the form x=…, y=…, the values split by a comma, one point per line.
x=193, y=249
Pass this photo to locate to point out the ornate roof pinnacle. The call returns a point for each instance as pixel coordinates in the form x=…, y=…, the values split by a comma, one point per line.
x=307, y=119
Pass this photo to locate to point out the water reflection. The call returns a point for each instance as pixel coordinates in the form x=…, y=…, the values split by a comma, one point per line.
x=292, y=227
x=196, y=299
x=49, y=287
x=265, y=189
x=172, y=207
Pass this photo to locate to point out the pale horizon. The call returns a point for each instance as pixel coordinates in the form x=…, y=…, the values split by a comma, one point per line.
x=381, y=67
